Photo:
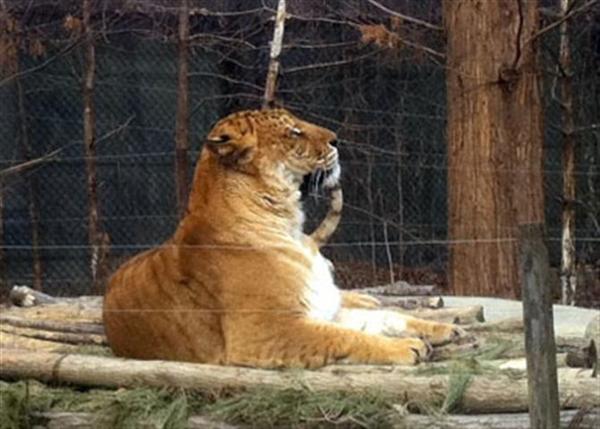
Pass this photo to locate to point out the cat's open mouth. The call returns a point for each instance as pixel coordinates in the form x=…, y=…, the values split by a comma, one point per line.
x=319, y=179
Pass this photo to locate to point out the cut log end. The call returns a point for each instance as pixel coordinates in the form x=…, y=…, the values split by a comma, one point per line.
x=583, y=357
x=24, y=296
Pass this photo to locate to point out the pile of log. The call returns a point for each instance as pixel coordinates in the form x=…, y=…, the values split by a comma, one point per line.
x=62, y=340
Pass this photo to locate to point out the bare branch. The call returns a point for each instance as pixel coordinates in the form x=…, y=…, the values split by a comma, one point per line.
x=391, y=39
x=23, y=166
x=199, y=36
x=585, y=128
x=43, y=65
x=228, y=79
x=406, y=17
x=331, y=63
x=116, y=130
x=566, y=17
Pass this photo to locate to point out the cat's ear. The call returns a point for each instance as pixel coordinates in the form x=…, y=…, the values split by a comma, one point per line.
x=231, y=148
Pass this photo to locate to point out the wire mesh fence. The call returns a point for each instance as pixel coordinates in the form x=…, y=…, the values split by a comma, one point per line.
x=385, y=97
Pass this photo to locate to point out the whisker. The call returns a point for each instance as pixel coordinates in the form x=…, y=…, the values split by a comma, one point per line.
x=316, y=179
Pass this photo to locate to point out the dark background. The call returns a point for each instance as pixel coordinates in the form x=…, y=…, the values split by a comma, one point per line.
x=386, y=100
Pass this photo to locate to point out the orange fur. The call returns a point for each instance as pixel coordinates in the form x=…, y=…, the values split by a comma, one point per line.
x=239, y=283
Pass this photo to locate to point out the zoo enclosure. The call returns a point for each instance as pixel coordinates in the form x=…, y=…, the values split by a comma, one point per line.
x=348, y=65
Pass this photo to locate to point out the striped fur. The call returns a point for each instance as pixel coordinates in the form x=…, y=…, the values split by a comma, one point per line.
x=332, y=219
x=239, y=283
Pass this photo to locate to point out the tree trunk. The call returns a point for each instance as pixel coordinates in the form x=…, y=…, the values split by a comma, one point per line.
x=182, y=143
x=96, y=238
x=568, y=272
x=494, y=141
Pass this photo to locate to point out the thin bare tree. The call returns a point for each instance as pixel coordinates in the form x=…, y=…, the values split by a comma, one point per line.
x=182, y=128
x=274, y=63
x=568, y=272
x=97, y=239
x=34, y=211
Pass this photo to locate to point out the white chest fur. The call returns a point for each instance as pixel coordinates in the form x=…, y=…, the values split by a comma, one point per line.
x=323, y=297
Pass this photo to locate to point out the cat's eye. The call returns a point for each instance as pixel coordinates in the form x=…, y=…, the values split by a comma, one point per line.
x=296, y=131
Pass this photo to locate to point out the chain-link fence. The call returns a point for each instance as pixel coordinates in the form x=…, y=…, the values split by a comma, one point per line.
x=385, y=98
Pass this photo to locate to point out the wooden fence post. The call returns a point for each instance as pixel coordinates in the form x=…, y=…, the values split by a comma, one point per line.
x=539, y=328
x=4, y=289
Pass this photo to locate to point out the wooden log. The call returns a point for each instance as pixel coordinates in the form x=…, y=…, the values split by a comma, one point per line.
x=88, y=309
x=458, y=315
x=510, y=325
x=71, y=420
x=86, y=315
x=539, y=328
x=486, y=394
x=401, y=288
x=24, y=296
x=57, y=336
x=583, y=357
x=520, y=364
x=438, y=367
x=14, y=341
x=410, y=303
x=53, y=325
x=83, y=301
x=11, y=341
x=574, y=344
x=578, y=348
x=82, y=420
x=464, y=347
x=59, y=313
x=510, y=346
x=586, y=419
